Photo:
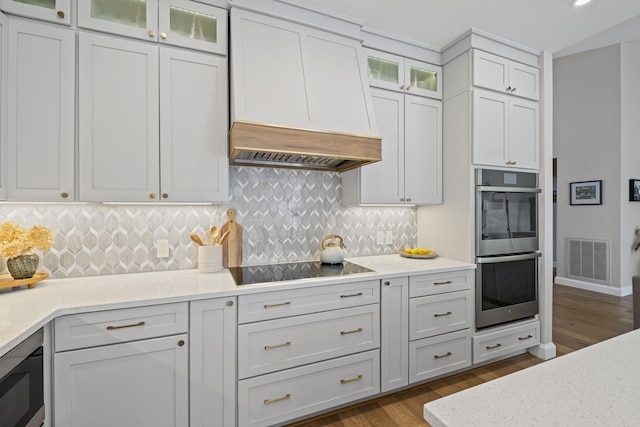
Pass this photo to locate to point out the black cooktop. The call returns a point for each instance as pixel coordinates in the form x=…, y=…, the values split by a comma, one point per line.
x=266, y=273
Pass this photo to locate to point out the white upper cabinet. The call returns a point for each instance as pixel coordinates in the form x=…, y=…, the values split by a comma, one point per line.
x=505, y=130
x=41, y=115
x=394, y=72
x=503, y=75
x=292, y=75
x=57, y=11
x=175, y=22
x=118, y=119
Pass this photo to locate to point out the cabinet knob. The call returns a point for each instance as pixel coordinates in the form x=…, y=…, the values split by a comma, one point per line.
x=387, y=283
x=229, y=303
x=64, y=195
x=513, y=89
x=181, y=343
x=60, y=14
x=403, y=200
x=408, y=87
x=152, y=195
x=402, y=87
x=163, y=35
x=409, y=199
x=165, y=196
x=151, y=33
x=508, y=88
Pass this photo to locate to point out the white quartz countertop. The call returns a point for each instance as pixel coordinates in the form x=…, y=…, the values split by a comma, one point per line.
x=597, y=385
x=23, y=310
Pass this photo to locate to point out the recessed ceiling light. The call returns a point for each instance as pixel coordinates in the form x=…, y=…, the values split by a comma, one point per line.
x=578, y=3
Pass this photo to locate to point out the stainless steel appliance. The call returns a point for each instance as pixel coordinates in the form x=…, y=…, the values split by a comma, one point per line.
x=254, y=274
x=506, y=212
x=21, y=384
x=506, y=288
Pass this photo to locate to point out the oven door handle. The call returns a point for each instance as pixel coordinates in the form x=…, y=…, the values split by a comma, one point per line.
x=507, y=258
x=481, y=188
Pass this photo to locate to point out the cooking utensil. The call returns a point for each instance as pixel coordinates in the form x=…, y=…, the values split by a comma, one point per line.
x=196, y=239
x=214, y=235
x=232, y=247
x=223, y=237
x=332, y=252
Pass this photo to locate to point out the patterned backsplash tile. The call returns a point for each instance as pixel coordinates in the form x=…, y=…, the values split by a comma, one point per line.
x=284, y=215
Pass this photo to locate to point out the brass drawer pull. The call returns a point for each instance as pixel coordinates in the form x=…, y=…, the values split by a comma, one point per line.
x=277, y=305
x=111, y=328
x=525, y=338
x=269, y=402
x=351, y=332
x=448, y=282
x=491, y=347
x=358, y=378
x=271, y=347
x=440, y=356
x=359, y=294
x=448, y=313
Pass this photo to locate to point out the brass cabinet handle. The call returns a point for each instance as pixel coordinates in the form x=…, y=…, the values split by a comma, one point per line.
x=165, y=196
x=448, y=282
x=163, y=35
x=271, y=347
x=151, y=33
x=403, y=200
x=152, y=195
x=111, y=328
x=181, y=343
x=440, y=356
x=359, y=294
x=402, y=87
x=508, y=88
x=351, y=332
x=60, y=14
x=448, y=313
x=409, y=199
x=387, y=283
x=277, y=305
x=280, y=399
x=408, y=87
x=525, y=338
x=64, y=195
x=513, y=89
x=491, y=347
x=229, y=303
x=358, y=378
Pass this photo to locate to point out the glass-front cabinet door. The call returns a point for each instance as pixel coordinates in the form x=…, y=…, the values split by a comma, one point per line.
x=422, y=79
x=193, y=25
x=57, y=11
x=385, y=70
x=131, y=18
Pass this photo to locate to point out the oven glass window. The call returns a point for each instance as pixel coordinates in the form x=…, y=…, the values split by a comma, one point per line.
x=21, y=392
x=508, y=215
x=508, y=283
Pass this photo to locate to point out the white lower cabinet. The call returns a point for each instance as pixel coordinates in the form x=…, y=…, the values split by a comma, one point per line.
x=293, y=393
x=439, y=355
x=212, y=356
x=394, y=333
x=501, y=341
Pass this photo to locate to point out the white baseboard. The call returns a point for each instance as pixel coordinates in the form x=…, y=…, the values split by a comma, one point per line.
x=544, y=351
x=587, y=286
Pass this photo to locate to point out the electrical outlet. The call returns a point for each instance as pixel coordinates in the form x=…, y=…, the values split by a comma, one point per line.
x=380, y=238
x=162, y=248
x=388, y=237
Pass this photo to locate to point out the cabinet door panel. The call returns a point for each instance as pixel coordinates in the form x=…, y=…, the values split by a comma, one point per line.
x=394, y=333
x=423, y=79
x=41, y=112
x=423, y=150
x=57, y=11
x=385, y=70
x=142, y=383
x=193, y=121
x=524, y=80
x=490, y=71
x=523, y=133
x=131, y=18
x=490, y=132
x=118, y=113
x=383, y=181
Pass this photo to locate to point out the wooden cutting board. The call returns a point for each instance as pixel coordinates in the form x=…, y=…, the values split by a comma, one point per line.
x=232, y=246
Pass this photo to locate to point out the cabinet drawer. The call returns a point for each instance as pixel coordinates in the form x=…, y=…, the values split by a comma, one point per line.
x=490, y=345
x=284, y=343
x=114, y=326
x=436, y=356
x=283, y=396
x=272, y=305
x=439, y=314
x=439, y=283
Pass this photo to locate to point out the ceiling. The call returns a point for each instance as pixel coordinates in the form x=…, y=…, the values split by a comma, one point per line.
x=553, y=26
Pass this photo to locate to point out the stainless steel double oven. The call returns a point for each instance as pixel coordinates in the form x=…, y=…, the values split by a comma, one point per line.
x=507, y=248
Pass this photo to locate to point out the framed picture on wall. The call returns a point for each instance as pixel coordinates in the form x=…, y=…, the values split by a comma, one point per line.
x=586, y=193
x=634, y=190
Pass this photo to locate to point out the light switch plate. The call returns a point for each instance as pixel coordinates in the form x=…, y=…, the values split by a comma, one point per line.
x=162, y=248
x=380, y=238
x=389, y=237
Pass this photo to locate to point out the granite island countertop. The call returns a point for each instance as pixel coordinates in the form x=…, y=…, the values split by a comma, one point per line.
x=597, y=385
x=23, y=311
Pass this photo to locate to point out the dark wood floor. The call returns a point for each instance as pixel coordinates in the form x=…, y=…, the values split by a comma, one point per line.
x=580, y=318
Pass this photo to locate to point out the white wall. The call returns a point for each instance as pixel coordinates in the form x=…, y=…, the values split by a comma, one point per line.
x=587, y=137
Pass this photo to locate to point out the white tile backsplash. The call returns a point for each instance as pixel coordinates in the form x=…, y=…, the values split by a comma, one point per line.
x=284, y=215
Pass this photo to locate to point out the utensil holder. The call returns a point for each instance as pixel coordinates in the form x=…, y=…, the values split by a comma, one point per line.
x=209, y=259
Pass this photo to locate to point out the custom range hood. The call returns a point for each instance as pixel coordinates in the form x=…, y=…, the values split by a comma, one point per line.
x=300, y=96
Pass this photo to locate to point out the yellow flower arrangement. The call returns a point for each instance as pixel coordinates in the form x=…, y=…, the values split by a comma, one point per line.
x=15, y=240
